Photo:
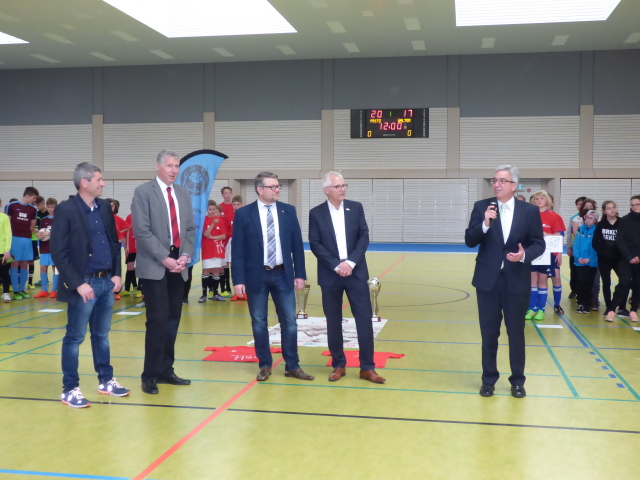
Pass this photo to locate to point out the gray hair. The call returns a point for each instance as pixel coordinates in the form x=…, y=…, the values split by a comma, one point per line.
x=513, y=171
x=326, y=179
x=258, y=181
x=84, y=170
x=164, y=153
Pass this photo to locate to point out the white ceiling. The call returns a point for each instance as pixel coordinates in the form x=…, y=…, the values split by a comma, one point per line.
x=70, y=32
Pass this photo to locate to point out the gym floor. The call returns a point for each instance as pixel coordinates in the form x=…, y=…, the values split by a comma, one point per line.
x=579, y=420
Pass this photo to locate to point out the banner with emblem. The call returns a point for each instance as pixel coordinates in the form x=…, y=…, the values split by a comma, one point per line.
x=198, y=170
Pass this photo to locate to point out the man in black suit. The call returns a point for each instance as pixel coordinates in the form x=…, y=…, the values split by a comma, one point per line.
x=510, y=237
x=86, y=252
x=339, y=237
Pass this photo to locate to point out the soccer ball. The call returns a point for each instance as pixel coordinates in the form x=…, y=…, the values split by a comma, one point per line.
x=47, y=234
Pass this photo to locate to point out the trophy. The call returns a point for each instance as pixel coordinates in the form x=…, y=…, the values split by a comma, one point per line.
x=302, y=296
x=374, y=291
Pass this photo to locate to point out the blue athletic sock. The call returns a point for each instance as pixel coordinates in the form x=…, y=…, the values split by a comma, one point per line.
x=44, y=279
x=24, y=276
x=55, y=283
x=15, y=280
x=542, y=298
x=557, y=295
x=533, y=299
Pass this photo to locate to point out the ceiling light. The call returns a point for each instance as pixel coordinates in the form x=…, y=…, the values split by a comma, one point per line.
x=286, y=49
x=633, y=38
x=8, y=39
x=367, y=13
x=57, y=38
x=104, y=57
x=412, y=23
x=162, y=54
x=488, y=42
x=222, y=51
x=44, y=58
x=124, y=35
x=351, y=47
x=206, y=18
x=511, y=12
x=559, y=40
x=418, y=45
x=336, y=27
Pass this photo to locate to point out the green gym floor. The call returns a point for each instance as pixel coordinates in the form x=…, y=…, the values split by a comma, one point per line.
x=580, y=419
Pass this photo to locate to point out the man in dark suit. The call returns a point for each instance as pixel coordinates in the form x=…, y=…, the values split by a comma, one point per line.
x=86, y=252
x=510, y=237
x=165, y=237
x=339, y=237
x=268, y=258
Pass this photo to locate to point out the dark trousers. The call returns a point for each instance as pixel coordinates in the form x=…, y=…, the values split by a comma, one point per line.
x=163, y=300
x=491, y=306
x=573, y=281
x=628, y=278
x=187, y=284
x=605, y=265
x=5, y=277
x=585, y=276
x=358, y=294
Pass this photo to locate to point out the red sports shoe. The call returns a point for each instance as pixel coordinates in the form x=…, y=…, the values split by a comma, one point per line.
x=53, y=294
x=42, y=294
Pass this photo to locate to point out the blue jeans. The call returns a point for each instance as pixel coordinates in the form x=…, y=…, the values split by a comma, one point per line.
x=275, y=283
x=97, y=313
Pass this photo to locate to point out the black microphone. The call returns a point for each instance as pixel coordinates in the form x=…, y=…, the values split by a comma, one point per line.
x=495, y=204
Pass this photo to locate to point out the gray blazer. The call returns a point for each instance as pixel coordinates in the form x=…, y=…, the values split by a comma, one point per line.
x=150, y=218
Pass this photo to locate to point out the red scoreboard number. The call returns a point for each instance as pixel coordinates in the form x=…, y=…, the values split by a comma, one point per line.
x=390, y=123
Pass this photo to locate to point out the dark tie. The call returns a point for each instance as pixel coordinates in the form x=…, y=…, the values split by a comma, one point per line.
x=175, y=231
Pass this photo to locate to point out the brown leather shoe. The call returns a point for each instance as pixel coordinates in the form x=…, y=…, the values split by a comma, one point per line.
x=264, y=374
x=299, y=374
x=372, y=376
x=337, y=374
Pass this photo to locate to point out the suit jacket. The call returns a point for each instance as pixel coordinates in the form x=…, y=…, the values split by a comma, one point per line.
x=150, y=217
x=71, y=244
x=322, y=239
x=526, y=229
x=247, y=252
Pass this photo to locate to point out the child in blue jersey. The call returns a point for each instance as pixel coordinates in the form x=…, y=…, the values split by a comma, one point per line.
x=586, y=261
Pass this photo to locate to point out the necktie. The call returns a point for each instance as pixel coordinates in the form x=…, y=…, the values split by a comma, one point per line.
x=271, y=239
x=175, y=231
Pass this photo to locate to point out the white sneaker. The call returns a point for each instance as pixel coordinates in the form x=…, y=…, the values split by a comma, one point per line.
x=6, y=298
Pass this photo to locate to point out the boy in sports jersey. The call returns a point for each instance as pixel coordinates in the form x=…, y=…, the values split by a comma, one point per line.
x=130, y=277
x=214, y=235
x=23, y=220
x=45, y=253
x=227, y=211
x=40, y=214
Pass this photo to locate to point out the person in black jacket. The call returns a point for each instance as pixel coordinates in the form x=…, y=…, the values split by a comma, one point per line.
x=628, y=242
x=604, y=243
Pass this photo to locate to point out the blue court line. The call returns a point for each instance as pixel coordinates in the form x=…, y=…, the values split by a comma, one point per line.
x=557, y=362
x=60, y=475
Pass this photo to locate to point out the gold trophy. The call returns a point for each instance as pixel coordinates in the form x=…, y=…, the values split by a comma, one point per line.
x=302, y=296
x=374, y=291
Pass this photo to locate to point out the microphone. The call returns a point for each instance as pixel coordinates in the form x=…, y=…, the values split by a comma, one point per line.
x=494, y=204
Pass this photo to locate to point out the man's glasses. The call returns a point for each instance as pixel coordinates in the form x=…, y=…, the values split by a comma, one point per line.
x=501, y=181
x=272, y=187
x=339, y=187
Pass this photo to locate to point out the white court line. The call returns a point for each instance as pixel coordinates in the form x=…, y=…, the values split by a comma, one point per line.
x=637, y=329
x=51, y=310
x=549, y=326
x=128, y=313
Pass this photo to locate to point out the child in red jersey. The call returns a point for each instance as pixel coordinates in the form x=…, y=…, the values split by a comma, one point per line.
x=214, y=234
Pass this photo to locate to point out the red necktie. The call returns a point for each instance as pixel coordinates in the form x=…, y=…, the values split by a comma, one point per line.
x=175, y=231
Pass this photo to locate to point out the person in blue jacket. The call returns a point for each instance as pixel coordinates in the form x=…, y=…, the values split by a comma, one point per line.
x=586, y=258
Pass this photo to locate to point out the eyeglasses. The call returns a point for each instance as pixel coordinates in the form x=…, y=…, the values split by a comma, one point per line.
x=272, y=187
x=339, y=187
x=501, y=181
x=634, y=205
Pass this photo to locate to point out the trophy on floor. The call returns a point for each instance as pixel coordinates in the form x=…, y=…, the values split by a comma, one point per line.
x=302, y=296
x=374, y=291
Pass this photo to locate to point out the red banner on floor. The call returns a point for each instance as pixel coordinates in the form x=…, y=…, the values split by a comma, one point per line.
x=353, y=358
x=234, y=354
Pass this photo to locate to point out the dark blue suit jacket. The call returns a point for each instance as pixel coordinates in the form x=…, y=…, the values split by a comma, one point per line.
x=322, y=239
x=247, y=249
x=526, y=229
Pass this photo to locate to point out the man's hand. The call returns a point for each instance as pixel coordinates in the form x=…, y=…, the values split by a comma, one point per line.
x=559, y=259
x=117, y=284
x=344, y=269
x=239, y=290
x=634, y=260
x=570, y=251
x=516, y=257
x=183, y=260
x=172, y=265
x=490, y=214
x=86, y=292
x=298, y=283
x=6, y=257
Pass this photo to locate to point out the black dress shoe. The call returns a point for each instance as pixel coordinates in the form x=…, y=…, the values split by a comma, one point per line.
x=518, y=391
x=487, y=390
x=150, y=387
x=173, y=379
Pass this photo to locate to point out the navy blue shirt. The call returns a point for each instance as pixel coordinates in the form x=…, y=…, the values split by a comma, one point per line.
x=100, y=258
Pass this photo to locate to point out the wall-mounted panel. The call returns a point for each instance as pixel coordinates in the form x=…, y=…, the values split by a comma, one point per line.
x=58, y=189
x=535, y=142
x=12, y=189
x=272, y=146
x=512, y=85
x=635, y=190
x=153, y=93
x=264, y=91
x=45, y=147
x=136, y=146
x=61, y=96
x=400, y=82
x=387, y=216
x=312, y=196
x=123, y=192
x=616, y=141
x=616, y=77
x=391, y=153
x=215, y=193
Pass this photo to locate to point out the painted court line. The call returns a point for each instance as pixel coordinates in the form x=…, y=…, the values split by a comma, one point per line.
x=61, y=475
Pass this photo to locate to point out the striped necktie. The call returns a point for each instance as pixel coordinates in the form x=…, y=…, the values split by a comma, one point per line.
x=271, y=239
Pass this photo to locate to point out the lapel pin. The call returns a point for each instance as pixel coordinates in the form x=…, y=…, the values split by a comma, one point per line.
x=348, y=210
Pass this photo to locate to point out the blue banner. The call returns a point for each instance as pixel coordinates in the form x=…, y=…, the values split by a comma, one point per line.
x=198, y=170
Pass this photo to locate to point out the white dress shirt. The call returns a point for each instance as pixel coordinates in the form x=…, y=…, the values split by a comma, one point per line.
x=337, y=218
x=164, y=186
x=262, y=210
x=506, y=219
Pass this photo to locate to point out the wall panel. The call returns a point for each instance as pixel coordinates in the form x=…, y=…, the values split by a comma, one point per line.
x=616, y=141
x=387, y=216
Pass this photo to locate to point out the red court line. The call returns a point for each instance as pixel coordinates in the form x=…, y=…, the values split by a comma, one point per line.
x=380, y=276
x=193, y=432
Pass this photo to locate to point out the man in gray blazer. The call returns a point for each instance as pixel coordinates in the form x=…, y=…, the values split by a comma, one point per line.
x=165, y=234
